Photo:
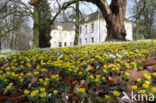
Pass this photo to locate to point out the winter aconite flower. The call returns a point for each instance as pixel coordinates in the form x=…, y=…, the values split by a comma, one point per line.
x=42, y=89
x=107, y=97
x=116, y=93
x=55, y=91
x=91, y=77
x=154, y=74
x=26, y=92
x=127, y=74
x=81, y=90
x=142, y=91
x=145, y=85
x=43, y=95
x=153, y=90
x=34, y=93
x=139, y=80
x=134, y=87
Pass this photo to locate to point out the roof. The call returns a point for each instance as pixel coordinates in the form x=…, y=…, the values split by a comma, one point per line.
x=63, y=25
x=92, y=17
x=96, y=15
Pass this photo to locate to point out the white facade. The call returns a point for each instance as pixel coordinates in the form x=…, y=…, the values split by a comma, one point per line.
x=96, y=31
x=62, y=38
x=91, y=32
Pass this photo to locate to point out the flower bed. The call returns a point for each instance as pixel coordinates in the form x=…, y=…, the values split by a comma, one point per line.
x=94, y=73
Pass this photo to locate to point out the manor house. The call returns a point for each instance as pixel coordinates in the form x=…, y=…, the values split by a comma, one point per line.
x=92, y=30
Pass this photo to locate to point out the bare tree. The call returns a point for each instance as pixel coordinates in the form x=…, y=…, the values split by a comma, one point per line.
x=143, y=15
x=11, y=16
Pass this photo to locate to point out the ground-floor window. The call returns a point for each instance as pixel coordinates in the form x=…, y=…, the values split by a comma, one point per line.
x=92, y=39
x=65, y=43
x=60, y=44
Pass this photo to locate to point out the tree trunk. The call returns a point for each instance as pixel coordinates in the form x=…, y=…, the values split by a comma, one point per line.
x=77, y=24
x=115, y=26
x=35, y=29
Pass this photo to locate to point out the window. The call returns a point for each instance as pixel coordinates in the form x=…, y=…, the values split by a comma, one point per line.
x=70, y=43
x=92, y=39
x=86, y=40
x=80, y=41
x=80, y=30
x=92, y=27
x=60, y=44
x=86, y=29
x=65, y=43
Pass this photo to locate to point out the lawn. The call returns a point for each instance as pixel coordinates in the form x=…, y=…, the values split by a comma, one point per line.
x=91, y=73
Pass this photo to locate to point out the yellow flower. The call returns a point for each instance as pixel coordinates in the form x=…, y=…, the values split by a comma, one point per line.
x=107, y=97
x=42, y=89
x=80, y=73
x=45, y=83
x=127, y=74
x=55, y=91
x=42, y=95
x=154, y=74
x=46, y=79
x=147, y=82
x=145, y=85
x=153, y=90
x=41, y=80
x=140, y=68
x=134, y=87
x=44, y=70
x=91, y=77
x=139, y=80
x=36, y=73
x=8, y=87
x=28, y=74
x=34, y=93
x=103, y=78
x=105, y=66
x=21, y=80
x=26, y=92
x=142, y=91
x=117, y=68
x=148, y=77
x=116, y=93
x=98, y=76
x=81, y=90
x=69, y=70
x=97, y=80
x=104, y=70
